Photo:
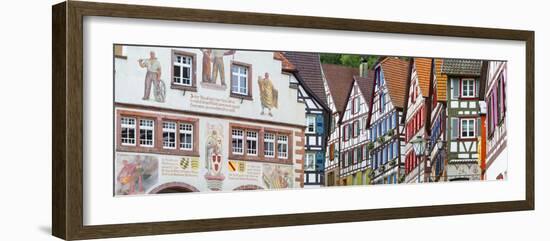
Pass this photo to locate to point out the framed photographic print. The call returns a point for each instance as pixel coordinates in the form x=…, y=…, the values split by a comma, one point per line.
x=172, y=120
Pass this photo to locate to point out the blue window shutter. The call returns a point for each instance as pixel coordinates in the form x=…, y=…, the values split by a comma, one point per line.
x=319, y=160
x=394, y=119
x=319, y=122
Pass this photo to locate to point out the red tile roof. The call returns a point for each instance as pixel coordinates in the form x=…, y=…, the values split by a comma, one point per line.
x=340, y=80
x=441, y=79
x=423, y=71
x=396, y=74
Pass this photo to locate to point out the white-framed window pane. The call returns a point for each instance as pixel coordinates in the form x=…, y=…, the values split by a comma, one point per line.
x=239, y=79
x=128, y=131
x=183, y=65
x=269, y=144
x=282, y=147
x=467, y=127
x=310, y=122
x=252, y=143
x=468, y=88
x=237, y=141
x=310, y=161
x=169, y=135
x=146, y=132
x=186, y=136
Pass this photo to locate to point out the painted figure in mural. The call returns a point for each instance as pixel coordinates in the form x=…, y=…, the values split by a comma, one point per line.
x=213, y=159
x=152, y=76
x=206, y=65
x=128, y=176
x=275, y=177
x=268, y=94
x=217, y=61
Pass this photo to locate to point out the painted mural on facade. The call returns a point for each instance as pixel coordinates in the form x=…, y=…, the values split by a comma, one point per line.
x=214, y=120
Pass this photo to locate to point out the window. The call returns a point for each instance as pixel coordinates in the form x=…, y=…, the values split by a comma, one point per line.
x=237, y=141
x=468, y=88
x=252, y=143
x=355, y=155
x=269, y=145
x=186, y=136
x=356, y=128
x=239, y=79
x=128, y=131
x=356, y=105
x=169, y=135
x=467, y=128
x=310, y=123
x=183, y=69
x=282, y=147
x=310, y=161
x=146, y=132
x=382, y=102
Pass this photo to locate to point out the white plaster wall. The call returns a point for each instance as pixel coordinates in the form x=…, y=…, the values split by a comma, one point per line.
x=129, y=84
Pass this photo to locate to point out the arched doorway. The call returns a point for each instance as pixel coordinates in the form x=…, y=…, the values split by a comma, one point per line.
x=174, y=187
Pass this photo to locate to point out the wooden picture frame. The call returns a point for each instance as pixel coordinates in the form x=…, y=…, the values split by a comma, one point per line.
x=67, y=119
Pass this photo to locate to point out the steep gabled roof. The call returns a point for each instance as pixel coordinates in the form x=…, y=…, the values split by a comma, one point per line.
x=339, y=80
x=423, y=71
x=366, y=85
x=462, y=67
x=308, y=66
x=396, y=74
x=441, y=79
x=286, y=65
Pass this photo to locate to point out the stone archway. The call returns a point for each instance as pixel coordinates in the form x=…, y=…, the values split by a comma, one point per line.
x=174, y=187
x=248, y=187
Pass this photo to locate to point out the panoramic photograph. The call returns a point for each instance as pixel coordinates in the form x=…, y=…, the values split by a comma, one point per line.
x=210, y=120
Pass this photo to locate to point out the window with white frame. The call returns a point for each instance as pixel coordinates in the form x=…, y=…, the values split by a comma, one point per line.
x=183, y=70
x=252, y=143
x=128, y=131
x=467, y=128
x=468, y=87
x=310, y=123
x=310, y=161
x=186, y=136
x=239, y=79
x=269, y=145
x=282, y=147
x=146, y=132
x=169, y=135
x=237, y=141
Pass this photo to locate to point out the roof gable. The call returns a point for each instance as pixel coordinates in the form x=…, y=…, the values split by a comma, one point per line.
x=423, y=67
x=339, y=80
x=396, y=75
x=308, y=66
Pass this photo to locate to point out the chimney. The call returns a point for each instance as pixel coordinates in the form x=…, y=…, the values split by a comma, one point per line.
x=363, y=67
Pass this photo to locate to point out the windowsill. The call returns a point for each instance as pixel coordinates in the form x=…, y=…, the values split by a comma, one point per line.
x=121, y=57
x=183, y=87
x=239, y=96
x=163, y=151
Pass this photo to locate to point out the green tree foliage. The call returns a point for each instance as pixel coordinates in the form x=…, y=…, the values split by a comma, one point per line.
x=351, y=60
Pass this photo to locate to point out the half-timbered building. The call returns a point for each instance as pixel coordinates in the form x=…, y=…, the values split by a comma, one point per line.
x=311, y=92
x=355, y=168
x=465, y=96
x=496, y=164
x=438, y=124
x=385, y=119
x=338, y=80
x=417, y=121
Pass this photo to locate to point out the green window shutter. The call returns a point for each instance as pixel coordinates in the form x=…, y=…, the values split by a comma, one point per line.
x=478, y=127
x=455, y=88
x=454, y=128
